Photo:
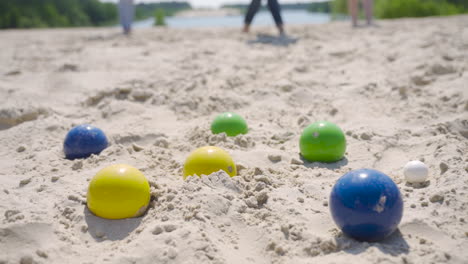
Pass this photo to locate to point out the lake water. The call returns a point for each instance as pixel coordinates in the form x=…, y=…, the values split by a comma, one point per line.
x=290, y=17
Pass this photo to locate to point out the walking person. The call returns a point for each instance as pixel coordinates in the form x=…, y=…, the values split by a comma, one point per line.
x=275, y=10
x=353, y=7
x=126, y=12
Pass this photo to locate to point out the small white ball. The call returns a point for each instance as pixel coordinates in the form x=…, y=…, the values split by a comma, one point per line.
x=416, y=171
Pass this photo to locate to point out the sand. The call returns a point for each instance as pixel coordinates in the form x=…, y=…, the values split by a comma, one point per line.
x=399, y=91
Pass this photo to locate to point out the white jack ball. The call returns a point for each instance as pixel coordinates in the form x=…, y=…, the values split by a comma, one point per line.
x=415, y=171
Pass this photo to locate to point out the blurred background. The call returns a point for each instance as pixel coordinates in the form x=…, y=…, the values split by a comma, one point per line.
x=202, y=13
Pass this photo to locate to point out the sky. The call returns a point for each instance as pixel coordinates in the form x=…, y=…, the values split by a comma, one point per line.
x=216, y=3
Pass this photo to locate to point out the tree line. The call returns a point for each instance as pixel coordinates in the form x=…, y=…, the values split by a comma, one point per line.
x=72, y=13
x=383, y=8
x=78, y=13
x=408, y=8
x=145, y=10
x=55, y=13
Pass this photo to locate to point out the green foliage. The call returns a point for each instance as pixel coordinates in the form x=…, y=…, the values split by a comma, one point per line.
x=415, y=8
x=55, y=13
x=462, y=4
x=409, y=8
x=339, y=7
x=159, y=17
x=73, y=13
x=146, y=10
x=320, y=7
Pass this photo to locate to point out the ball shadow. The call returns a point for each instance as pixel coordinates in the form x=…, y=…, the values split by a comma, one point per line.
x=393, y=245
x=105, y=229
x=331, y=166
x=419, y=185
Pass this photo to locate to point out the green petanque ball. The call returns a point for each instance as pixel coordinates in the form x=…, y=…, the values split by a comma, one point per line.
x=229, y=123
x=322, y=141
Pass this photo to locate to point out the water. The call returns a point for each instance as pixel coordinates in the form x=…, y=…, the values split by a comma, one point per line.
x=263, y=18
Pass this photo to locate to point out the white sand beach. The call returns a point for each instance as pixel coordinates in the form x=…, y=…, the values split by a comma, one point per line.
x=399, y=91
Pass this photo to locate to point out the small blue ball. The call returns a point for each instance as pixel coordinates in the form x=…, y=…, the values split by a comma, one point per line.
x=84, y=140
x=366, y=205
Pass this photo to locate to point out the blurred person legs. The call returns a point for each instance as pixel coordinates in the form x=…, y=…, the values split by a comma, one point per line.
x=353, y=8
x=275, y=10
x=252, y=10
x=369, y=10
x=126, y=12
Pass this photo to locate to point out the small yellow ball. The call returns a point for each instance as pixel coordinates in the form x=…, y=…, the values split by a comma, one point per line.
x=206, y=160
x=117, y=192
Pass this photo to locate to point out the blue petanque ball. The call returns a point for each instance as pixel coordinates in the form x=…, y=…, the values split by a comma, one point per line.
x=84, y=140
x=366, y=204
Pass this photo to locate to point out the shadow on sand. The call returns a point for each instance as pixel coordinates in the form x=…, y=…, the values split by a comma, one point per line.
x=104, y=229
x=4, y=126
x=281, y=40
x=418, y=185
x=331, y=166
x=393, y=245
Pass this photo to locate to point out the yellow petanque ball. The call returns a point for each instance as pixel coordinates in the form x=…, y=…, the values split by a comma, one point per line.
x=206, y=160
x=117, y=192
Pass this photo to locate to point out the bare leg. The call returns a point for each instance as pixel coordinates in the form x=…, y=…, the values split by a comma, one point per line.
x=369, y=8
x=281, y=29
x=353, y=11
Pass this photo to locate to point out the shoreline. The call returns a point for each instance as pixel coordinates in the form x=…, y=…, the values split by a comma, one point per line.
x=221, y=12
